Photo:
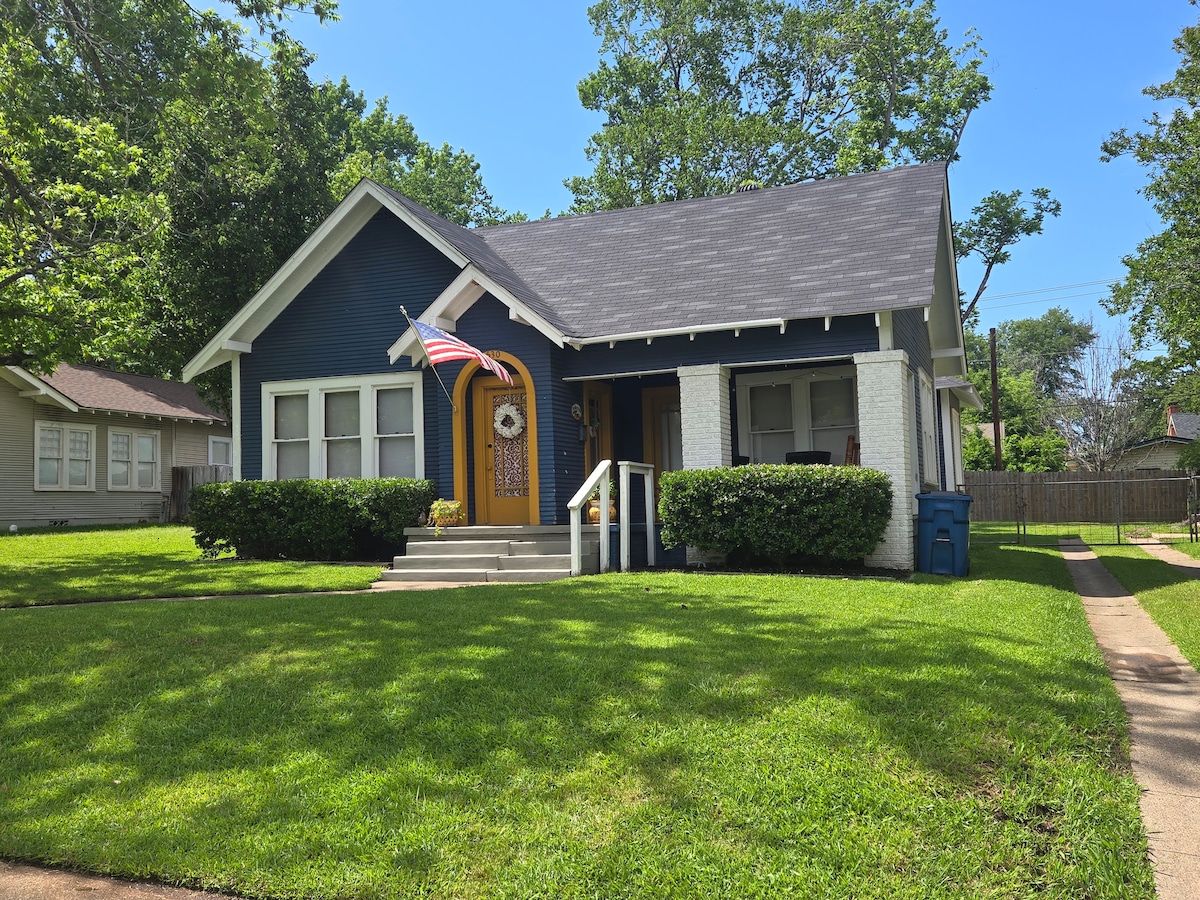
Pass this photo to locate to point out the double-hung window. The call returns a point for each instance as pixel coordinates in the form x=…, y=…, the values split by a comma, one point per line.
x=356, y=427
x=65, y=457
x=133, y=460
x=796, y=409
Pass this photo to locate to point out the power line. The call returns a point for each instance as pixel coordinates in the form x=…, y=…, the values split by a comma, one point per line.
x=1047, y=290
x=1048, y=299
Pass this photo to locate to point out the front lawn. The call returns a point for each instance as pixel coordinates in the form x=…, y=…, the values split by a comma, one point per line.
x=120, y=563
x=1171, y=597
x=667, y=735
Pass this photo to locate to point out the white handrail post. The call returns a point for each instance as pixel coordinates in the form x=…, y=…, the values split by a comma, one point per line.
x=605, y=522
x=576, y=541
x=651, y=536
x=623, y=469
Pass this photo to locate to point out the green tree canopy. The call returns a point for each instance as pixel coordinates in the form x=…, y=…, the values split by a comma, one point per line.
x=703, y=95
x=1161, y=288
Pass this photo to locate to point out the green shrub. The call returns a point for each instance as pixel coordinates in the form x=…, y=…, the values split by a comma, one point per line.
x=337, y=519
x=777, y=512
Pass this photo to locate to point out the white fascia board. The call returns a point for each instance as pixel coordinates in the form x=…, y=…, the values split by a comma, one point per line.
x=781, y=324
x=459, y=296
x=331, y=236
x=32, y=387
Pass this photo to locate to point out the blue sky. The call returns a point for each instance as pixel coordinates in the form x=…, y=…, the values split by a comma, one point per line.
x=498, y=79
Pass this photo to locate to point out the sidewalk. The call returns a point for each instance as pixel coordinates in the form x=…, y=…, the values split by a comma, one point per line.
x=20, y=882
x=1161, y=695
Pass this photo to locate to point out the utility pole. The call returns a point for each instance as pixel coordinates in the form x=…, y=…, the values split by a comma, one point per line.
x=995, y=403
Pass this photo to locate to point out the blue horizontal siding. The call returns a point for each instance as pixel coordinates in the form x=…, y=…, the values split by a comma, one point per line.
x=343, y=322
x=910, y=333
x=803, y=339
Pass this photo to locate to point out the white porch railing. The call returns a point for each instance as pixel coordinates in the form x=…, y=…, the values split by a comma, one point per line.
x=600, y=478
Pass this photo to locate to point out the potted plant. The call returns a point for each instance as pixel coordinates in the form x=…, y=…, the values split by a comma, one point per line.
x=445, y=512
x=594, y=504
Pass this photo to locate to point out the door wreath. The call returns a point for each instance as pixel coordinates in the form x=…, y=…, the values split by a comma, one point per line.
x=508, y=422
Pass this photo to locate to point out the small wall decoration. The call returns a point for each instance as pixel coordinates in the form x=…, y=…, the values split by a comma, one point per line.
x=576, y=412
x=508, y=422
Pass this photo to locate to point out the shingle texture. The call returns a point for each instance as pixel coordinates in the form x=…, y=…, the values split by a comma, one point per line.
x=843, y=246
x=94, y=388
x=1187, y=425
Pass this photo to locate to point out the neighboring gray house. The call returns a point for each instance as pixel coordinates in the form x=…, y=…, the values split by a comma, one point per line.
x=1163, y=452
x=86, y=445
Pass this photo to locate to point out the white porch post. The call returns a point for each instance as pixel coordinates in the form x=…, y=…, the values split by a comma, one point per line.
x=886, y=425
x=707, y=431
x=704, y=414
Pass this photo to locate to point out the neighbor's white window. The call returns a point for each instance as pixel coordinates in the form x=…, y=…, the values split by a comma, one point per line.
x=796, y=409
x=366, y=427
x=65, y=457
x=133, y=460
x=220, y=451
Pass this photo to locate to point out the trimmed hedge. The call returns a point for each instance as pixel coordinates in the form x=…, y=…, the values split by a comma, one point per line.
x=338, y=519
x=777, y=512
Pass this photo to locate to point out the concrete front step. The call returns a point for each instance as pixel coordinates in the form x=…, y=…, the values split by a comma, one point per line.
x=471, y=576
x=472, y=554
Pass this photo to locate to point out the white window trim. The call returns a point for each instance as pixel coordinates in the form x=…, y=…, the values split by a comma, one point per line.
x=64, y=474
x=929, y=430
x=134, y=434
x=315, y=389
x=801, y=414
x=213, y=440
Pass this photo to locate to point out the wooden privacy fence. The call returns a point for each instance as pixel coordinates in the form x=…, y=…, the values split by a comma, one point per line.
x=184, y=478
x=1101, y=497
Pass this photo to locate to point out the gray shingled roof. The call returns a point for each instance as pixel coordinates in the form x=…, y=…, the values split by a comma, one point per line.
x=470, y=243
x=94, y=388
x=842, y=246
x=1187, y=425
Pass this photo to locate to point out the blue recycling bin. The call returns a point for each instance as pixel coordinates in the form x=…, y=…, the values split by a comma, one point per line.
x=943, y=533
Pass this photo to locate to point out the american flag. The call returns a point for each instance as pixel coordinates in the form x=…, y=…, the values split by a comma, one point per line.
x=442, y=347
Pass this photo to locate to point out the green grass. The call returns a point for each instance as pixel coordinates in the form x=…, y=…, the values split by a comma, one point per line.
x=1171, y=597
x=121, y=563
x=667, y=735
x=1048, y=534
x=1185, y=546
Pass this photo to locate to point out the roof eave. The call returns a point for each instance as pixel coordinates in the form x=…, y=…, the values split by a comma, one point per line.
x=33, y=388
x=350, y=216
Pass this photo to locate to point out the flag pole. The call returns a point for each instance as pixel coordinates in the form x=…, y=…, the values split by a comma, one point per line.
x=420, y=341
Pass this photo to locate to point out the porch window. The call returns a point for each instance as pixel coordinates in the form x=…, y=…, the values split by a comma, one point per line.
x=133, y=460
x=772, y=435
x=357, y=427
x=832, y=413
x=781, y=412
x=65, y=457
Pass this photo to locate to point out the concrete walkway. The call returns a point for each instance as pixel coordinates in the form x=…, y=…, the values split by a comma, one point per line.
x=1181, y=561
x=19, y=882
x=1161, y=694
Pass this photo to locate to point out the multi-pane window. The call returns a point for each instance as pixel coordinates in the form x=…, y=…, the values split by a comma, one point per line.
x=65, y=459
x=343, y=428
x=831, y=414
x=772, y=433
x=783, y=412
x=395, y=436
x=291, y=436
x=343, y=445
x=133, y=460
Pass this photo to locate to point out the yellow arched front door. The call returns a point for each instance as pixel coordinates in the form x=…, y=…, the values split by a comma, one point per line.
x=502, y=459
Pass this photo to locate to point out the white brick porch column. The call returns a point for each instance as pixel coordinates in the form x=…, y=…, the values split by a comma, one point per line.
x=886, y=424
x=707, y=431
x=704, y=414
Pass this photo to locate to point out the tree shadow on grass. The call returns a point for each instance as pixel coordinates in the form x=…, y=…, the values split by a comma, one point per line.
x=304, y=716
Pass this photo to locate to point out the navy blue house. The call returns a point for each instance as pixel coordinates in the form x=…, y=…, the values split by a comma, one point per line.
x=819, y=317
